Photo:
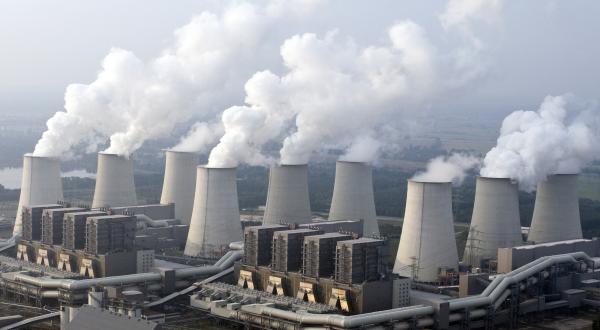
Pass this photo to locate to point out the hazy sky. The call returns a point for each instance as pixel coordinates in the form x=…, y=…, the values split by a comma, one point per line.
x=538, y=47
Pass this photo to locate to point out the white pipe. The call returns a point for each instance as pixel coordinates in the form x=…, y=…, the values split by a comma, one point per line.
x=236, y=245
x=497, y=288
x=153, y=223
x=341, y=320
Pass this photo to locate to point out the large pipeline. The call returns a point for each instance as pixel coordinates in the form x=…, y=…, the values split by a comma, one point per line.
x=153, y=223
x=341, y=321
x=501, y=283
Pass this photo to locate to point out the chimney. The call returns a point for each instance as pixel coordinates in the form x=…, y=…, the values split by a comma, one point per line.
x=556, y=210
x=215, y=219
x=180, y=183
x=40, y=184
x=495, y=222
x=353, y=195
x=114, y=181
x=287, y=196
x=427, y=243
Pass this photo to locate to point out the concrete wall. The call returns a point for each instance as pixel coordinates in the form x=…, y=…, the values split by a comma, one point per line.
x=495, y=222
x=40, y=184
x=114, y=182
x=287, y=195
x=180, y=183
x=556, y=211
x=216, y=217
x=427, y=242
x=353, y=195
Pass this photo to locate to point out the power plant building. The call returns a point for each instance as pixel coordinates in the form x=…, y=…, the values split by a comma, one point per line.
x=53, y=223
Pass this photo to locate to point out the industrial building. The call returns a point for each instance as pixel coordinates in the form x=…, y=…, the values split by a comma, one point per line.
x=122, y=265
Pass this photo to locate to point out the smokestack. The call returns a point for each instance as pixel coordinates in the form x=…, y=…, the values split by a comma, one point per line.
x=216, y=216
x=556, y=210
x=287, y=196
x=427, y=243
x=353, y=195
x=495, y=222
x=180, y=183
x=114, y=181
x=40, y=184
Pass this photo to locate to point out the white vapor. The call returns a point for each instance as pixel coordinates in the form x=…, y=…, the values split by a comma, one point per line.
x=451, y=168
x=200, y=137
x=133, y=100
x=337, y=94
x=535, y=144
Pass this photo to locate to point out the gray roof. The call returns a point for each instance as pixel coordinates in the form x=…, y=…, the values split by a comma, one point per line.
x=92, y=318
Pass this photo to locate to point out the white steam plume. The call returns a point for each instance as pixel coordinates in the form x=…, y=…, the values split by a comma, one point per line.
x=535, y=144
x=451, y=168
x=200, y=137
x=133, y=100
x=336, y=94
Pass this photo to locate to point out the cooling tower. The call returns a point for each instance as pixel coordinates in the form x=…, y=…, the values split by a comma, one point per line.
x=556, y=211
x=353, y=195
x=287, y=196
x=114, y=181
x=216, y=217
x=427, y=244
x=495, y=222
x=180, y=183
x=40, y=184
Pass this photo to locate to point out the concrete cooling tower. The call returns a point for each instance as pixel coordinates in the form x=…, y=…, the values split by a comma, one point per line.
x=40, y=184
x=180, y=183
x=287, y=196
x=216, y=217
x=114, y=181
x=495, y=222
x=353, y=195
x=427, y=244
x=556, y=210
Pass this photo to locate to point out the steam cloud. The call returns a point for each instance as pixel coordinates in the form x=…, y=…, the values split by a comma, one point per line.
x=451, y=168
x=336, y=94
x=535, y=144
x=132, y=101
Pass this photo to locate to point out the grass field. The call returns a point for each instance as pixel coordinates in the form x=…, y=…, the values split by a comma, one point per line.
x=589, y=186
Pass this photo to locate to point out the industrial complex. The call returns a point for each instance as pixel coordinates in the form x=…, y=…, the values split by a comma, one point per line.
x=116, y=264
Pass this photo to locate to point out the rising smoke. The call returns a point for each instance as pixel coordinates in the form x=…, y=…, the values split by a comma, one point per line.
x=551, y=140
x=337, y=95
x=133, y=100
x=452, y=168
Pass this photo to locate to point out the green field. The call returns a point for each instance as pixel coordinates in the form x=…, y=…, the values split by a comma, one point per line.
x=589, y=186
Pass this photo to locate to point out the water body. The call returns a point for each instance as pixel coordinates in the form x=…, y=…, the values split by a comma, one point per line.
x=10, y=177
